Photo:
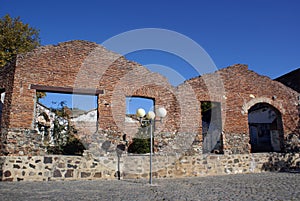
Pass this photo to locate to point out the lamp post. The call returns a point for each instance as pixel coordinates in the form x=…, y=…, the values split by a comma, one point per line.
x=150, y=117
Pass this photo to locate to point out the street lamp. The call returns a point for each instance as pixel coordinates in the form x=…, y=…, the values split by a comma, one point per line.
x=150, y=117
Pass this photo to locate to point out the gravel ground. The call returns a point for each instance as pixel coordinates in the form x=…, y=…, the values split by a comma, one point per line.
x=264, y=186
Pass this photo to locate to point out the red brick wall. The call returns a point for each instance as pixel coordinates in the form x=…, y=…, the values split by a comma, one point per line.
x=80, y=64
x=240, y=85
x=55, y=66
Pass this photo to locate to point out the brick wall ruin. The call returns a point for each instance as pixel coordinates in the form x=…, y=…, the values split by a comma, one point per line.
x=85, y=67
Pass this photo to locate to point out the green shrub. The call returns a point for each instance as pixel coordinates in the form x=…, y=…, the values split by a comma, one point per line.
x=72, y=147
x=141, y=142
x=139, y=146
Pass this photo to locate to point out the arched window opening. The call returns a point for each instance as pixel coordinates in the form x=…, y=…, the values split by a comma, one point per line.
x=265, y=128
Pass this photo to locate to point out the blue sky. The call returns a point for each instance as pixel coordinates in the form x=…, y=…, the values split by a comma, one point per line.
x=265, y=34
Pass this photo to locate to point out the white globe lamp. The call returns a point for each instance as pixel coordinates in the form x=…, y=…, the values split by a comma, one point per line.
x=150, y=115
x=140, y=112
x=161, y=112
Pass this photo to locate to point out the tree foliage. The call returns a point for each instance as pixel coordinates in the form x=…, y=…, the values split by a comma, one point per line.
x=206, y=106
x=16, y=38
x=40, y=94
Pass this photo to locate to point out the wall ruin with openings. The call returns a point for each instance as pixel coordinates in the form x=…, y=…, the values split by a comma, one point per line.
x=87, y=68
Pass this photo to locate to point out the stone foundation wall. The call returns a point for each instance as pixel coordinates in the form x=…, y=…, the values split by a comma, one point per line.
x=21, y=142
x=54, y=167
x=236, y=143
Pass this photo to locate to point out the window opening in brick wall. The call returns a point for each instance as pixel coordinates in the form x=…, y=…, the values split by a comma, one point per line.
x=2, y=96
x=135, y=102
x=265, y=128
x=211, y=127
x=66, y=121
x=139, y=134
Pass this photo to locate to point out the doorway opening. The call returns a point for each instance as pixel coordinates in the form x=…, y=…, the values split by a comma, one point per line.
x=265, y=128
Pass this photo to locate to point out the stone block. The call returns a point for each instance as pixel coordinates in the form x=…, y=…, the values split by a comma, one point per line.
x=7, y=173
x=47, y=160
x=69, y=173
x=57, y=173
x=85, y=174
x=98, y=175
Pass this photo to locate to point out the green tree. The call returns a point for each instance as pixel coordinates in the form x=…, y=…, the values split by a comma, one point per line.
x=16, y=38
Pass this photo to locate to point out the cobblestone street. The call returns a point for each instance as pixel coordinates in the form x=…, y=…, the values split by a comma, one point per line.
x=265, y=186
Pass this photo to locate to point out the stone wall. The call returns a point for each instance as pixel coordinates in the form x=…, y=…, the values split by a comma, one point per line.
x=21, y=142
x=46, y=168
x=53, y=167
x=204, y=165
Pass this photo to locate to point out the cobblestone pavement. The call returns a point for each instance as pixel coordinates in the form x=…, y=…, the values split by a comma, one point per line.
x=265, y=186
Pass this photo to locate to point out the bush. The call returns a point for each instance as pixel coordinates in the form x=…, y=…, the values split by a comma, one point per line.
x=72, y=147
x=139, y=146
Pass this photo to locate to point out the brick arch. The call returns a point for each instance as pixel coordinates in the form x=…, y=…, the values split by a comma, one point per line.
x=276, y=104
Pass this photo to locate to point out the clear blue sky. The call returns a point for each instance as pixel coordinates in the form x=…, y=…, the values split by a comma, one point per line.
x=265, y=34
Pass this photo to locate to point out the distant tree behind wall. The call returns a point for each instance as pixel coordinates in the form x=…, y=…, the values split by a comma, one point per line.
x=16, y=37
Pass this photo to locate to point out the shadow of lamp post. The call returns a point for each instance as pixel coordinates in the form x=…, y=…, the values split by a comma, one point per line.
x=119, y=150
x=150, y=118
